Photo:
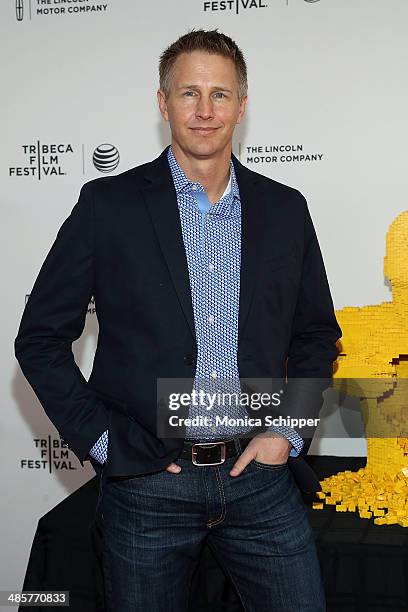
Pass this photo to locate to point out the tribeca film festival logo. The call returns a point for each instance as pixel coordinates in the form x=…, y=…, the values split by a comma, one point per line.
x=42, y=160
x=91, y=310
x=19, y=10
x=54, y=454
x=233, y=5
x=237, y=6
x=277, y=154
x=42, y=8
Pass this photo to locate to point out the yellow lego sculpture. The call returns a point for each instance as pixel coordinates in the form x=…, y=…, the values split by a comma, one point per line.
x=373, y=365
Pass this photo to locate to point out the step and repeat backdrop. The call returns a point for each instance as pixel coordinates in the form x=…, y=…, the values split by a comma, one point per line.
x=326, y=114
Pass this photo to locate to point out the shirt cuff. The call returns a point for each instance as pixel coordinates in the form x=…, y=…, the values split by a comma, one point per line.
x=99, y=451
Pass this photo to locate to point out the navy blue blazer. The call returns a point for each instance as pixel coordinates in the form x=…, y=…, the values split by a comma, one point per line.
x=122, y=244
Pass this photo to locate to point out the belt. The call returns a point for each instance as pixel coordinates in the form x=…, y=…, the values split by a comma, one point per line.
x=212, y=452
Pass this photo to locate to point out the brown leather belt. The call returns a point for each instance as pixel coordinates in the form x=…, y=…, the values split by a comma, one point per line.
x=212, y=452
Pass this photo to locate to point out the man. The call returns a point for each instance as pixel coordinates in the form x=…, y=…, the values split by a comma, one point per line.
x=199, y=268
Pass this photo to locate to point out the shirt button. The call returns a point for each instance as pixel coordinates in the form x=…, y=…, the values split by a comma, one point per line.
x=211, y=267
x=214, y=374
x=194, y=187
x=211, y=319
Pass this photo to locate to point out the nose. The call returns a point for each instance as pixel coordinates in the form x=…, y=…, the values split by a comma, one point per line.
x=204, y=108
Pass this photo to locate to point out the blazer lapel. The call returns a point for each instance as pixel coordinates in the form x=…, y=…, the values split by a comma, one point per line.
x=252, y=232
x=161, y=201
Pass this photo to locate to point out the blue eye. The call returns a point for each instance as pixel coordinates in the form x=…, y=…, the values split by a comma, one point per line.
x=189, y=92
x=219, y=94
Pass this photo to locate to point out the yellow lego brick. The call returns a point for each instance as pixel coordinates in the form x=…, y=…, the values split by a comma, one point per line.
x=374, y=350
x=391, y=519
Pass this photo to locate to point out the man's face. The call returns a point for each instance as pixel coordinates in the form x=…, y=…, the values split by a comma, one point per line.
x=202, y=105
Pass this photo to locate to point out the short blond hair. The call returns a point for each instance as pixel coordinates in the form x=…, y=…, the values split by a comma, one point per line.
x=209, y=41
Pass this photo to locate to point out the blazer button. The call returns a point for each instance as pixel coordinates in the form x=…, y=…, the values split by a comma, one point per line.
x=189, y=359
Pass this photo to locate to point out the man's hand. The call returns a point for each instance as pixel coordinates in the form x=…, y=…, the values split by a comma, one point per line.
x=266, y=447
x=173, y=468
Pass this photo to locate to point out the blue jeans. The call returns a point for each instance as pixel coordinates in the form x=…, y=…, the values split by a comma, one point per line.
x=154, y=527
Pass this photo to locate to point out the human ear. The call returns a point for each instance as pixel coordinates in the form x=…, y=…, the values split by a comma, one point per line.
x=161, y=99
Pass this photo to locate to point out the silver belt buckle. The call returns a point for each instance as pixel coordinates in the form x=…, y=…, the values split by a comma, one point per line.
x=194, y=452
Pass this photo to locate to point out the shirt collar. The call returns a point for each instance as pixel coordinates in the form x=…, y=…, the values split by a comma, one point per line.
x=228, y=187
x=182, y=184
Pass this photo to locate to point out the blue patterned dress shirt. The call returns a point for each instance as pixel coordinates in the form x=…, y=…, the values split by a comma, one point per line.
x=212, y=241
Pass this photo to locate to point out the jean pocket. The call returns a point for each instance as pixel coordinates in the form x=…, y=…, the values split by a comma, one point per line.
x=268, y=466
x=134, y=480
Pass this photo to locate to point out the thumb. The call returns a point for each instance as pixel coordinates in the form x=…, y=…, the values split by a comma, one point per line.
x=173, y=468
x=241, y=463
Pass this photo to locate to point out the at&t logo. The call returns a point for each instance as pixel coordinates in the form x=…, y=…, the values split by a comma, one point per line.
x=106, y=158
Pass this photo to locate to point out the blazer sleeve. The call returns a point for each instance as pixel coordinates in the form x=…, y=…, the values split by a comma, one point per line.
x=54, y=316
x=315, y=331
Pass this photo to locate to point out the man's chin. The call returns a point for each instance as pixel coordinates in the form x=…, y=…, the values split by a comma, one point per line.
x=204, y=150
